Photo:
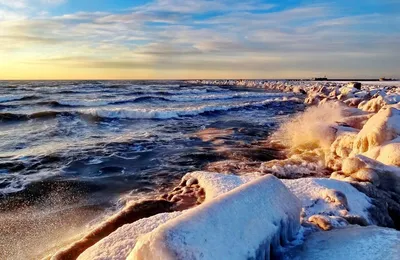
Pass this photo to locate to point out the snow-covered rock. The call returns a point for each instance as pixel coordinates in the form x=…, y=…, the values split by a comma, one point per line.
x=366, y=243
x=216, y=184
x=241, y=224
x=380, y=128
x=119, y=244
x=388, y=153
x=362, y=168
x=330, y=198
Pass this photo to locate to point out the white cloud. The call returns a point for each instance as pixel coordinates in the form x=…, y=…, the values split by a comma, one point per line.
x=13, y=3
x=168, y=35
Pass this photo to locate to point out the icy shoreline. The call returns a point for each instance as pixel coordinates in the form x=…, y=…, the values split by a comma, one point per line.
x=349, y=135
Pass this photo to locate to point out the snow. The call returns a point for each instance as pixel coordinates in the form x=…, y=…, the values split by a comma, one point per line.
x=216, y=184
x=251, y=217
x=366, y=243
x=348, y=90
x=372, y=105
x=119, y=244
x=320, y=197
x=388, y=153
x=380, y=128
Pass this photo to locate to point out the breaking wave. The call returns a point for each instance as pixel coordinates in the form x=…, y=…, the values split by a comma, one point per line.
x=178, y=98
x=142, y=113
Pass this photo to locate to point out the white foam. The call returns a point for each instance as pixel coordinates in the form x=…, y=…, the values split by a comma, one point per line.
x=85, y=103
x=166, y=113
x=222, y=96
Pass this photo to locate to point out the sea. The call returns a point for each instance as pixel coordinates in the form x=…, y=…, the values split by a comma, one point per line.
x=74, y=152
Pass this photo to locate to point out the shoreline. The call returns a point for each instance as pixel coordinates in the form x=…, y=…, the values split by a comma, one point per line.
x=358, y=176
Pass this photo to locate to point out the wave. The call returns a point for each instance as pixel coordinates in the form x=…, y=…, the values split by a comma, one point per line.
x=179, y=98
x=224, y=96
x=9, y=98
x=142, y=113
x=140, y=99
x=137, y=91
x=77, y=103
x=38, y=115
x=139, y=113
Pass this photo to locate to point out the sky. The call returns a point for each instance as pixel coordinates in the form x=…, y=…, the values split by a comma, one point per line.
x=194, y=39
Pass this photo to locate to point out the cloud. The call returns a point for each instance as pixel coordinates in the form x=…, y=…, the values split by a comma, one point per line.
x=214, y=36
x=202, y=6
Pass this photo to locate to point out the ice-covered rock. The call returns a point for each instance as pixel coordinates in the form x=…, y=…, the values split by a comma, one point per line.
x=372, y=105
x=216, y=184
x=335, y=200
x=362, y=168
x=119, y=244
x=380, y=100
x=380, y=128
x=353, y=102
x=357, y=121
x=388, y=153
x=385, y=205
x=367, y=243
x=341, y=147
x=348, y=91
x=356, y=85
x=244, y=223
x=131, y=213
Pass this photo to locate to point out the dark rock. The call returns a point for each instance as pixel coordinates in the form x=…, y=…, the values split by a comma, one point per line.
x=385, y=210
x=356, y=85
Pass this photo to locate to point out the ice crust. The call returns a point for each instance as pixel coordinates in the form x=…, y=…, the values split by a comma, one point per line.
x=244, y=223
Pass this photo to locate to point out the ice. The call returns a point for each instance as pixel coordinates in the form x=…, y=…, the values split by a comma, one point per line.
x=380, y=128
x=216, y=184
x=330, y=198
x=119, y=244
x=366, y=243
x=244, y=223
x=388, y=153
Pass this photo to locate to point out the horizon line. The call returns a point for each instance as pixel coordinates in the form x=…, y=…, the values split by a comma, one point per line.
x=294, y=79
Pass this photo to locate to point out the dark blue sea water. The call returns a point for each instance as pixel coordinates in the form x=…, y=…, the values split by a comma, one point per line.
x=70, y=150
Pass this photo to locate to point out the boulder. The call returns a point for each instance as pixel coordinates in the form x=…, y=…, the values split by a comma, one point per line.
x=245, y=223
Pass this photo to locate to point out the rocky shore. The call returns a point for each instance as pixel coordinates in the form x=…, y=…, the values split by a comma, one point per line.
x=338, y=171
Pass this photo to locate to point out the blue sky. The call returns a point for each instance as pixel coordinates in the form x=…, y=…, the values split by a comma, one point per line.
x=199, y=39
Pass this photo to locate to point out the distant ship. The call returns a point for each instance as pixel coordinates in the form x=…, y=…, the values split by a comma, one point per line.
x=385, y=79
x=320, y=79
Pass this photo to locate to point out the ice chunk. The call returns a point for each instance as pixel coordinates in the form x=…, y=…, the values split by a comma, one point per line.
x=241, y=224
